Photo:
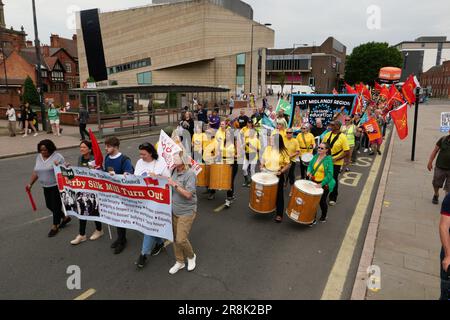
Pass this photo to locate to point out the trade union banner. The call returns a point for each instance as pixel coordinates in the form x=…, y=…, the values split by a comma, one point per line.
x=309, y=108
x=139, y=203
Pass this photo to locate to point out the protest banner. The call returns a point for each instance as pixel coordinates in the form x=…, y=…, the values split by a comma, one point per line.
x=372, y=129
x=139, y=203
x=167, y=148
x=308, y=108
x=285, y=106
x=445, y=122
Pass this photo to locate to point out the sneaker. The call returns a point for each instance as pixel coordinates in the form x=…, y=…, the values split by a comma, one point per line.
x=365, y=150
x=211, y=196
x=191, y=263
x=177, y=267
x=227, y=203
x=119, y=248
x=35, y=135
x=52, y=233
x=278, y=219
x=323, y=219
x=115, y=244
x=347, y=169
x=157, y=249
x=141, y=261
x=313, y=223
x=79, y=239
x=332, y=203
x=96, y=235
x=379, y=152
x=65, y=222
x=371, y=153
x=25, y=135
x=435, y=200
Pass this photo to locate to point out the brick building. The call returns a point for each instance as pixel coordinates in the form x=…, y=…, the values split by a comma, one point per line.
x=437, y=80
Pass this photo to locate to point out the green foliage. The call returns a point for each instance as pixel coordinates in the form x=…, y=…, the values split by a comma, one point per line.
x=282, y=80
x=30, y=93
x=90, y=79
x=366, y=60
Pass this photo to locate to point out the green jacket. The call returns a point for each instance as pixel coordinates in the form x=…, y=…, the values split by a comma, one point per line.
x=329, y=169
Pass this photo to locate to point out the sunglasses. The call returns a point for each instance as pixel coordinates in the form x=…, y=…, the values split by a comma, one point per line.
x=320, y=148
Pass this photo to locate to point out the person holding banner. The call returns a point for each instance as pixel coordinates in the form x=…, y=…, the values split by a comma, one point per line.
x=276, y=160
x=117, y=163
x=184, y=209
x=151, y=165
x=339, y=151
x=87, y=160
x=44, y=173
x=307, y=144
x=320, y=170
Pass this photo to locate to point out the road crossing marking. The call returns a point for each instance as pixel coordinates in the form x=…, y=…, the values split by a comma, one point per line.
x=86, y=294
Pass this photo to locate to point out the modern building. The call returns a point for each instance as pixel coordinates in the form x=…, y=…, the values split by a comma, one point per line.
x=199, y=42
x=422, y=54
x=321, y=67
x=437, y=80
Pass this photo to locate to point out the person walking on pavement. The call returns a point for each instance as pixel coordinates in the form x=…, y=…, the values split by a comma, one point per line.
x=83, y=117
x=231, y=105
x=441, y=177
x=444, y=231
x=29, y=118
x=53, y=117
x=11, y=114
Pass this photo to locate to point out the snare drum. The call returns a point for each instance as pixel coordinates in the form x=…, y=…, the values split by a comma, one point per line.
x=203, y=176
x=220, y=177
x=306, y=158
x=263, y=193
x=304, y=202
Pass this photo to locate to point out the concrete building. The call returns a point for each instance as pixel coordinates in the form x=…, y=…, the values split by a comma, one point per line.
x=199, y=42
x=422, y=54
x=437, y=80
x=321, y=67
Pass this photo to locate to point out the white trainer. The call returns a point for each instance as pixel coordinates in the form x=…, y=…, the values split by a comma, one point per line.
x=96, y=235
x=79, y=239
x=35, y=135
x=191, y=263
x=332, y=203
x=177, y=267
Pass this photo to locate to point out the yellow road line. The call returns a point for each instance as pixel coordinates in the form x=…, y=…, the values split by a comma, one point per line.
x=336, y=279
x=219, y=208
x=86, y=294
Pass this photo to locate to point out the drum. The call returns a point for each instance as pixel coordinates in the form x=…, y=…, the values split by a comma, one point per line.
x=263, y=193
x=306, y=158
x=220, y=177
x=203, y=176
x=304, y=202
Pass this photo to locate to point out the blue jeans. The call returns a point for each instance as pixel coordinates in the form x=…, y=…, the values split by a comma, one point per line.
x=445, y=280
x=149, y=242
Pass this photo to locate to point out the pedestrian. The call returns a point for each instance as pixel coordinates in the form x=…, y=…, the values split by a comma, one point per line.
x=202, y=114
x=44, y=173
x=29, y=119
x=320, y=171
x=67, y=107
x=184, y=209
x=349, y=129
x=53, y=117
x=11, y=114
x=307, y=144
x=339, y=151
x=117, y=163
x=231, y=105
x=318, y=129
x=293, y=149
x=444, y=231
x=188, y=124
x=441, y=178
x=150, y=165
x=22, y=117
x=87, y=160
x=214, y=120
x=83, y=117
x=242, y=119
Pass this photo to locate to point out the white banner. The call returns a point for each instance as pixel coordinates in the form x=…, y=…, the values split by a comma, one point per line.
x=139, y=203
x=167, y=148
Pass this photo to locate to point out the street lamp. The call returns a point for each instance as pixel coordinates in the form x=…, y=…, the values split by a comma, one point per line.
x=37, y=45
x=251, y=53
x=293, y=59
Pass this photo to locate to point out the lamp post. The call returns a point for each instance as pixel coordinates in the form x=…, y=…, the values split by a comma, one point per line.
x=37, y=45
x=251, y=53
x=4, y=64
x=293, y=59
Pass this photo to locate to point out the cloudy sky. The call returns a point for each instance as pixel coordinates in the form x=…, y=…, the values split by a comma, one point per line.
x=295, y=21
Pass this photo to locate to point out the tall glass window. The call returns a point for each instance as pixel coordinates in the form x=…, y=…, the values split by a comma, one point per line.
x=240, y=69
x=144, y=77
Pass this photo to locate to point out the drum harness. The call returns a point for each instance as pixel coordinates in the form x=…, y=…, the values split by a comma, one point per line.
x=333, y=142
x=304, y=142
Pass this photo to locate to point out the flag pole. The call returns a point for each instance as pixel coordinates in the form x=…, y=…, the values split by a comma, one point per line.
x=416, y=115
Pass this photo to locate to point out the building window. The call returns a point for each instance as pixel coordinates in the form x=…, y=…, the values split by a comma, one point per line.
x=240, y=69
x=57, y=76
x=130, y=66
x=240, y=59
x=44, y=74
x=68, y=67
x=144, y=78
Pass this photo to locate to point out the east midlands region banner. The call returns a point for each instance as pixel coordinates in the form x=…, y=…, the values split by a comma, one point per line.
x=308, y=108
x=139, y=203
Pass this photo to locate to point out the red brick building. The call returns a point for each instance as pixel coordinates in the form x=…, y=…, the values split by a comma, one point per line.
x=437, y=80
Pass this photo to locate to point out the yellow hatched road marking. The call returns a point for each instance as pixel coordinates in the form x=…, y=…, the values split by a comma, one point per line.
x=86, y=294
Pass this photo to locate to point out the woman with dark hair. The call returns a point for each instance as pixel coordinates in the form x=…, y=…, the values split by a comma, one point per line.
x=43, y=172
x=29, y=118
x=86, y=159
x=320, y=170
x=188, y=124
x=150, y=165
x=277, y=161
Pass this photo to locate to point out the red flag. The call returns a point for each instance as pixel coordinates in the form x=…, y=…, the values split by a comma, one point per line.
x=409, y=88
x=366, y=92
x=335, y=91
x=400, y=117
x=384, y=92
x=359, y=88
x=349, y=89
x=378, y=87
x=96, y=150
x=394, y=95
x=358, y=105
x=30, y=197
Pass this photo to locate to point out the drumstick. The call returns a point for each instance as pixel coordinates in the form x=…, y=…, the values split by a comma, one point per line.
x=30, y=197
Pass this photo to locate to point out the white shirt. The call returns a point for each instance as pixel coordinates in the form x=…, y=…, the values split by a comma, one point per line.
x=156, y=167
x=11, y=113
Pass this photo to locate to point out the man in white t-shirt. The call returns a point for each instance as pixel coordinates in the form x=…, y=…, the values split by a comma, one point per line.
x=11, y=113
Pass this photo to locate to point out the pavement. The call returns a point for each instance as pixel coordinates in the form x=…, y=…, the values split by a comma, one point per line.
x=403, y=237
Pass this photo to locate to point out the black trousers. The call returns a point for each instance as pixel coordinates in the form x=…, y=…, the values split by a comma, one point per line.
x=335, y=193
x=280, y=196
x=324, y=203
x=445, y=280
x=122, y=235
x=303, y=170
x=98, y=227
x=83, y=131
x=291, y=174
x=54, y=204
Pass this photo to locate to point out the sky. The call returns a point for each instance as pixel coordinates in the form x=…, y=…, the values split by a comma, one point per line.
x=352, y=22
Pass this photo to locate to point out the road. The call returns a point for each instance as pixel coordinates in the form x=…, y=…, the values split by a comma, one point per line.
x=240, y=255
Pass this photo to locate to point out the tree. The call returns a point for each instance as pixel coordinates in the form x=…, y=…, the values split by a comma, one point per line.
x=30, y=93
x=366, y=60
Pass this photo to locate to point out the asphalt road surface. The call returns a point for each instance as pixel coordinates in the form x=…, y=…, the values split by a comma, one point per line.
x=240, y=255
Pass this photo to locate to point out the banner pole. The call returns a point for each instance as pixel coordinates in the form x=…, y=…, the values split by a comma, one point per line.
x=416, y=115
x=109, y=229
